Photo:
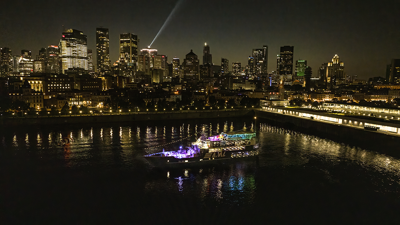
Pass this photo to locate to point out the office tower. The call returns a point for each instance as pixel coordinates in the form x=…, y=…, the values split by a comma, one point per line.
x=15, y=64
x=260, y=64
x=301, y=66
x=90, y=60
x=236, y=68
x=146, y=60
x=307, y=78
x=285, y=61
x=25, y=62
x=175, y=67
x=264, y=64
x=335, y=72
x=191, y=66
x=322, y=73
x=207, y=57
x=103, y=50
x=394, y=71
x=160, y=62
x=388, y=70
x=128, y=48
x=250, y=69
x=53, y=59
x=6, y=62
x=42, y=54
x=73, y=50
x=27, y=54
x=206, y=69
x=39, y=66
x=224, y=66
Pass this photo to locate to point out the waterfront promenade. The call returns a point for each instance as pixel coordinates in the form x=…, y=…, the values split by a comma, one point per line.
x=123, y=117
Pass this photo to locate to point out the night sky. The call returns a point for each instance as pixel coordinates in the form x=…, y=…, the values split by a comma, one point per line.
x=365, y=34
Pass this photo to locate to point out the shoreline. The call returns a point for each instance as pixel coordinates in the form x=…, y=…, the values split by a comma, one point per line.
x=123, y=117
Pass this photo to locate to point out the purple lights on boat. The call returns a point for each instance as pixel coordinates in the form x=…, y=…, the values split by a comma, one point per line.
x=180, y=154
x=215, y=138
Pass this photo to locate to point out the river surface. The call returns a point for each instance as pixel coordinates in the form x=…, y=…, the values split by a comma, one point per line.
x=102, y=178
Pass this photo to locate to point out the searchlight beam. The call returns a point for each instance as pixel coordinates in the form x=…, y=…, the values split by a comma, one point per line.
x=166, y=21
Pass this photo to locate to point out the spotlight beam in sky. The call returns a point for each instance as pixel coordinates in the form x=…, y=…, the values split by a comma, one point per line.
x=166, y=21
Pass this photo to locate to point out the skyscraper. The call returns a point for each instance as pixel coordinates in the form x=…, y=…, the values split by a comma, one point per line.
x=207, y=57
x=103, y=50
x=236, y=68
x=53, y=59
x=307, y=78
x=336, y=71
x=42, y=54
x=175, y=67
x=394, y=71
x=73, y=50
x=25, y=65
x=206, y=70
x=301, y=66
x=191, y=66
x=39, y=65
x=332, y=73
x=260, y=56
x=90, y=60
x=285, y=61
x=146, y=60
x=250, y=66
x=224, y=66
x=128, y=48
x=6, y=67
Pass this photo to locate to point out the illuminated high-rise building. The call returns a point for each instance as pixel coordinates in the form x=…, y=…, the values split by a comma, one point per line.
x=128, y=48
x=191, y=66
x=332, y=73
x=146, y=60
x=53, y=59
x=160, y=62
x=260, y=56
x=176, y=67
x=393, y=71
x=224, y=66
x=6, y=62
x=15, y=64
x=285, y=61
x=236, y=68
x=42, y=54
x=207, y=57
x=301, y=66
x=25, y=63
x=73, y=50
x=39, y=65
x=335, y=72
x=103, y=50
x=250, y=69
x=90, y=60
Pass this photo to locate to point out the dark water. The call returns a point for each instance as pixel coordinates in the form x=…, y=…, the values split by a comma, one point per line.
x=103, y=179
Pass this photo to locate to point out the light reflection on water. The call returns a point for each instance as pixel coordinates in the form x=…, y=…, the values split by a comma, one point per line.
x=123, y=146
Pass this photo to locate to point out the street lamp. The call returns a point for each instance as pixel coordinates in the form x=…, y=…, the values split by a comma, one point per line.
x=255, y=124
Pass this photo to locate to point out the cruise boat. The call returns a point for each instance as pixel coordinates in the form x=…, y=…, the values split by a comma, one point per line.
x=231, y=146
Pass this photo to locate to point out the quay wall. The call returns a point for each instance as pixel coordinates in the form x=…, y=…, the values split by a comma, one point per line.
x=372, y=140
x=121, y=117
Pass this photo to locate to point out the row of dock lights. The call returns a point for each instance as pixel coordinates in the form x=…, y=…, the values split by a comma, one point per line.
x=101, y=111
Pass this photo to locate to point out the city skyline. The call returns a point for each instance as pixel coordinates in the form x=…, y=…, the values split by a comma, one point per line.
x=359, y=32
